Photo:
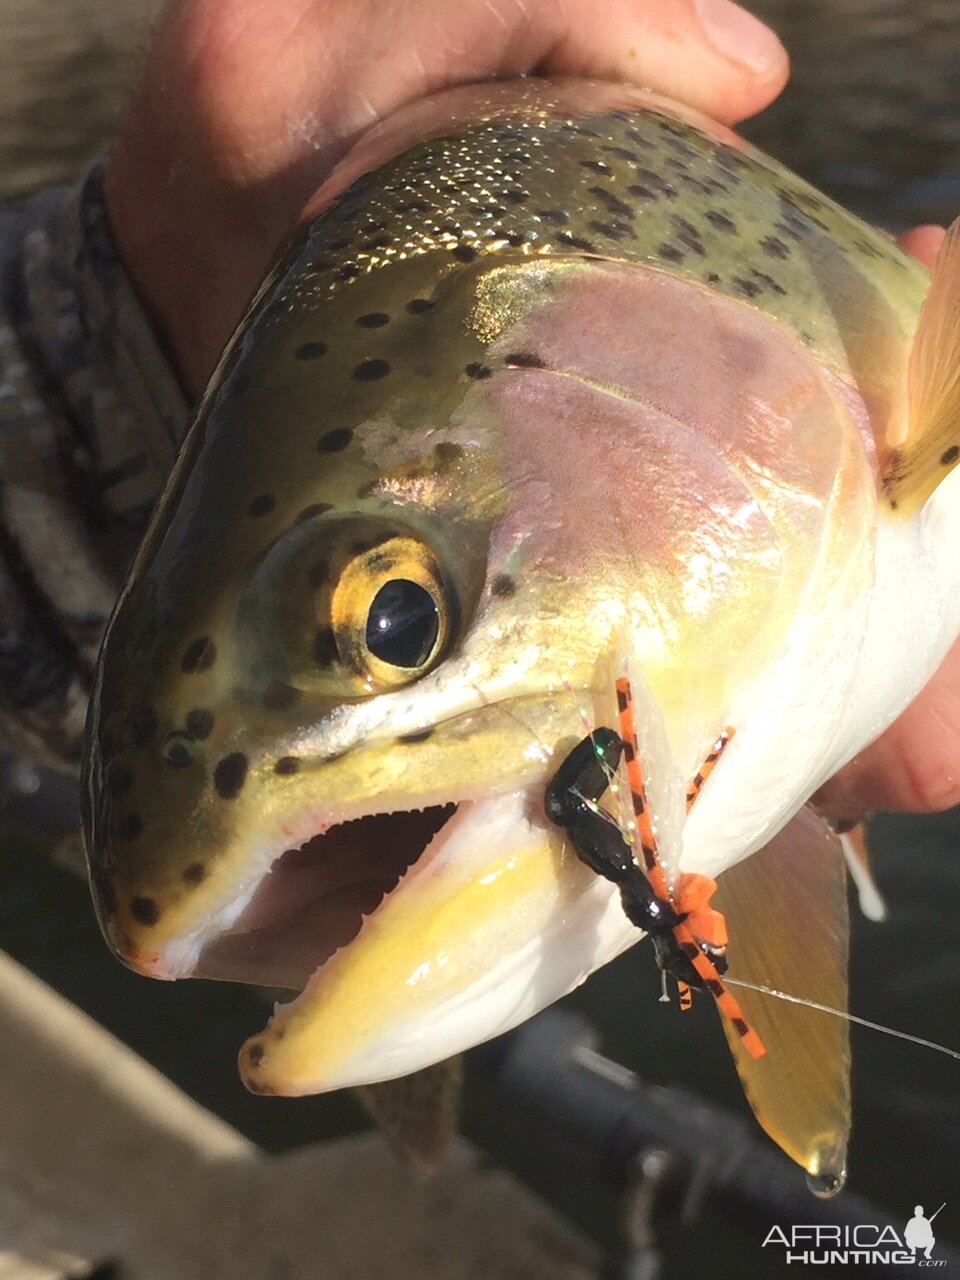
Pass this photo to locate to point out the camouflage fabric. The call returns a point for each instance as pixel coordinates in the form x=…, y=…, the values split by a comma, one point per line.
x=91, y=416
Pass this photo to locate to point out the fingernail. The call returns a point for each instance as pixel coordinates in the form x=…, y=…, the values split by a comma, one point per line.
x=738, y=35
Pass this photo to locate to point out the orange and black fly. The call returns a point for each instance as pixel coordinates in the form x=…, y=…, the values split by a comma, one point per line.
x=689, y=936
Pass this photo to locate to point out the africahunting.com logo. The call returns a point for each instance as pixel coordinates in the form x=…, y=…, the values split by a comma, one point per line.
x=822, y=1245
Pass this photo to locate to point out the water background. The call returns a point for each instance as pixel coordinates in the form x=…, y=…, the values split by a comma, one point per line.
x=873, y=116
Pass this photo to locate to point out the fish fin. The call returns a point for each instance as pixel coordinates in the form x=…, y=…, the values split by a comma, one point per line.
x=856, y=851
x=786, y=911
x=930, y=448
x=420, y=1113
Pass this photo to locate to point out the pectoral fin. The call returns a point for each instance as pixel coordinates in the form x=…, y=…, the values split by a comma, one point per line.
x=930, y=448
x=786, y=911
x=419, y=1112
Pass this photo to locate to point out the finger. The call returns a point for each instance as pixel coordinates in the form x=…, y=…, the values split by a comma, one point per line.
x=915, y=766
x=923, y=242
x=324, y=70
x=244, y=107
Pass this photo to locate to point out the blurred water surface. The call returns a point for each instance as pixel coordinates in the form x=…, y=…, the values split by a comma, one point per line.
x=873, y=116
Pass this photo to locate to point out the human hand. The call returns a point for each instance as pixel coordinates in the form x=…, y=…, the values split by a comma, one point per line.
x=245, y=107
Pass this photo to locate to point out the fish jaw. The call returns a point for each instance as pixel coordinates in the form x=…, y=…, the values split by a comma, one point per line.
x=496, y=920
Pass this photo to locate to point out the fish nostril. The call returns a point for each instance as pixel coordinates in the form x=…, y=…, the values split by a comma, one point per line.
x=176, y=752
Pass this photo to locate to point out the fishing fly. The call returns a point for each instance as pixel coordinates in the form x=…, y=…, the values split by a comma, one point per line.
x=689, y=936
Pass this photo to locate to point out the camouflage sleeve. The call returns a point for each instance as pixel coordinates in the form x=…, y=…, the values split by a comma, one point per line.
x=90, y=418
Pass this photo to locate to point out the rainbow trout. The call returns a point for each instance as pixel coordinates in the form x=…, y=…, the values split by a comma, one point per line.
x=552, y=378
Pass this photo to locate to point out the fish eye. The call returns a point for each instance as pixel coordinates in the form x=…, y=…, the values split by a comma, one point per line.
x=390, y=613
x=403, y=624
x=347, y=608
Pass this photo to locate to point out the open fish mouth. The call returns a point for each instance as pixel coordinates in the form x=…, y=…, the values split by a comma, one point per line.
x=315, y=896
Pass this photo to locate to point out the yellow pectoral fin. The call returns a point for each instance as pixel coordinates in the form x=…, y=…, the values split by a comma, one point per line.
x=786, y=911
x=930, y=449
x=419, y=1112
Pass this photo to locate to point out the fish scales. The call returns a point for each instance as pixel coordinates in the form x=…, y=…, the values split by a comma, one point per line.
x=549, y=373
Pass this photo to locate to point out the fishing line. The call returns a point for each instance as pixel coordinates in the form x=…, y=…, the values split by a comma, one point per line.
x=840, y=1013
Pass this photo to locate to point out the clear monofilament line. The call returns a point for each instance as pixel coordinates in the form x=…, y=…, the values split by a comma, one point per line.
x=840, y=1013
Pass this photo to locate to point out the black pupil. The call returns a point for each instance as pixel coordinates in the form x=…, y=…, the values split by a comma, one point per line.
x=403, y=624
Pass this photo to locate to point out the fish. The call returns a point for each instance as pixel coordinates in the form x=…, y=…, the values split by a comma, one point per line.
x=553, y=380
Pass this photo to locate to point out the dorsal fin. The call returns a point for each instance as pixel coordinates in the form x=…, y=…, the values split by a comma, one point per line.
x=786, y=910
x=931, y=446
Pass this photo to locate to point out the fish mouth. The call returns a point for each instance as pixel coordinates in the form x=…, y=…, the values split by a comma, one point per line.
x=315, y=896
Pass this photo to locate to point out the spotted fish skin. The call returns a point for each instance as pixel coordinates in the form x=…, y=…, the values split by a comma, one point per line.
x=574, y=361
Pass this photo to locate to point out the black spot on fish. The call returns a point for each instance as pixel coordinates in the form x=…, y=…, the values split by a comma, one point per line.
x=576, y=242
x=418, y=306
x=195, y=873
x=279, y=696
x=721, y=221
x=749, y=288
x=129, y=827
x=503, y=585
x=553, y=217
x=516, y=195
x=371, y=370
x=768, y=282
x=255, y=1053
x=177, y=753
x=463, y=253
x=634, y=135
x=230, y=775
x=622, y=153
x=671, y=253
x=199, y=655
x=523, y=360
x=315, y=509
x=477, y=370
x=377, y=242
x=373, y=320
x=657, y=182
x=368, y=488
x=325, y=647
x=595, y=166
x=199, y=723
x=612, y=230
x=868, y=249
x=337, y=440
x=775, y=247
x=421, y=735
x=286, y=766
x=144, y=910
x=447, y=452
x=262, y=505
x=613, y=202
x=950, y=455
x=143, y=726
x=349, y=272
x=311, y=350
